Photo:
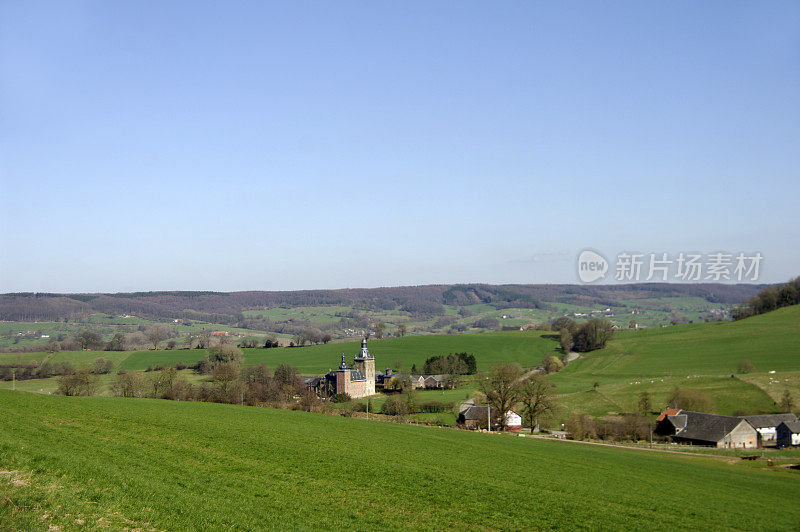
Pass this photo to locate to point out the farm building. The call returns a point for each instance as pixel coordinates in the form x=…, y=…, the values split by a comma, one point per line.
x=477, y=417
x=435, y=381
x=788, y=434
x=698, y=428
x=390, y=381
x=513, y=421
x=767, y=425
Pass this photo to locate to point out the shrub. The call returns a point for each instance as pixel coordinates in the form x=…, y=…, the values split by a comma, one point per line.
x=341, y=398
x=486, y=323
x=551, y=364
x=630, y=427
x=745, y=366
x=397, y=406
x=270, y=342
x=686, y=399
x=434, y=407
x=225, y=353
x=581, y=426
x=129, y=384
x=82, y=383
x=102, y=366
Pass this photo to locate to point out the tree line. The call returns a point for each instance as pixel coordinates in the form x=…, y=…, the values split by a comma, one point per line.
x=770, y=298
x=420, y=301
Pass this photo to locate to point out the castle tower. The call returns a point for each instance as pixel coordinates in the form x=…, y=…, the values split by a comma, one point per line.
x=365, y=363
x=343, y=378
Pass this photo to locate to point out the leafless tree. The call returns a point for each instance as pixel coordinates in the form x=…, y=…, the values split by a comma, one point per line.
x=155, y=334
x=501, y=387
x=536, y=398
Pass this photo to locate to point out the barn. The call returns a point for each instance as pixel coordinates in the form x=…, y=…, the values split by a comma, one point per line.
x=698, y=428
x=788, y=434
x=767, y=425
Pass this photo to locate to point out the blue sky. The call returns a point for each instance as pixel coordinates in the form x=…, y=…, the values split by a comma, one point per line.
x=256, y=145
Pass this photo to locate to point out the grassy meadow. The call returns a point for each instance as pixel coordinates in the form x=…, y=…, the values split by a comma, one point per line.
x=696, y=356
x=123, y=463
x=526, y=348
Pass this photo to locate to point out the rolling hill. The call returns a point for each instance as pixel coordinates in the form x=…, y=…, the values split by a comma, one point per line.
x=701, y=356
x=127, y=463
x=697, y=356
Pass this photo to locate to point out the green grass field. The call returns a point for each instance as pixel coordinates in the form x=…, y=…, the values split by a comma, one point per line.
x=658, y=360
x=526, y=348
x=771, y=341
x=149, y=464
x=655, y=360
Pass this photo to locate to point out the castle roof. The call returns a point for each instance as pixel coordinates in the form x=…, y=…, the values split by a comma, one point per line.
x=364, y=353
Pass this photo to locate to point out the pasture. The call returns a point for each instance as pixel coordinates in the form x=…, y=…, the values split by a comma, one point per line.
x=126, y=463
x=526, y=348
x=696, y=356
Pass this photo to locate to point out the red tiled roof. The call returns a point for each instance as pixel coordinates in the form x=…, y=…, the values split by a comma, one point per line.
x=668, y=412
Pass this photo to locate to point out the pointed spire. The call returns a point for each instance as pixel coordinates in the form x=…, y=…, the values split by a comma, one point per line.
x=343, y=365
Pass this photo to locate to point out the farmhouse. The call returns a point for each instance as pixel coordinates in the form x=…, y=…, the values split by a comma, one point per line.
x=698, y=428
x=390, y=381
x=477, y=417
x=767, y=425
x=435, y=381
x=788, y=433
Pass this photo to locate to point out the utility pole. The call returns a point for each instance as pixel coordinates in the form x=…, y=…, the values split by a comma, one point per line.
x=13, y=380
x=489, y=418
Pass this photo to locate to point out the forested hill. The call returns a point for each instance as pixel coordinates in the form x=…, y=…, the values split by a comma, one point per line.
x=226, y=307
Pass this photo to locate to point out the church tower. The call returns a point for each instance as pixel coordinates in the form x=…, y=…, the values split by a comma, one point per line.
x=365, y=363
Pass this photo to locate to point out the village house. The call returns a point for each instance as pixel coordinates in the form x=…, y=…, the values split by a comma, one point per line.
x=478, y=417
x=698, y=428
x=787, y=434
x=390, y=381
x=435, y=381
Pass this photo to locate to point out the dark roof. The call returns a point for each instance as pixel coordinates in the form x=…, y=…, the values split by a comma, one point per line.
x=356, y=375
x=706, y=427
x=678, y=421
x=793, y=426
x=477, y=412
x=769, y=420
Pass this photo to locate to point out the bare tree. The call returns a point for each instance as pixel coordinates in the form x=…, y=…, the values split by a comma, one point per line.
x=380, y=328
x=501, y=387
x=401, y=329
x=155, y=333
x=536, y=397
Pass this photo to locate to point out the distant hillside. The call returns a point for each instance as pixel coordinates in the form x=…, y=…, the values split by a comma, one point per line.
x=420, y=301
x=698, y=356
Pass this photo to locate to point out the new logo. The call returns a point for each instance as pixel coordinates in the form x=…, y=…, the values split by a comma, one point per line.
x=591, y=266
